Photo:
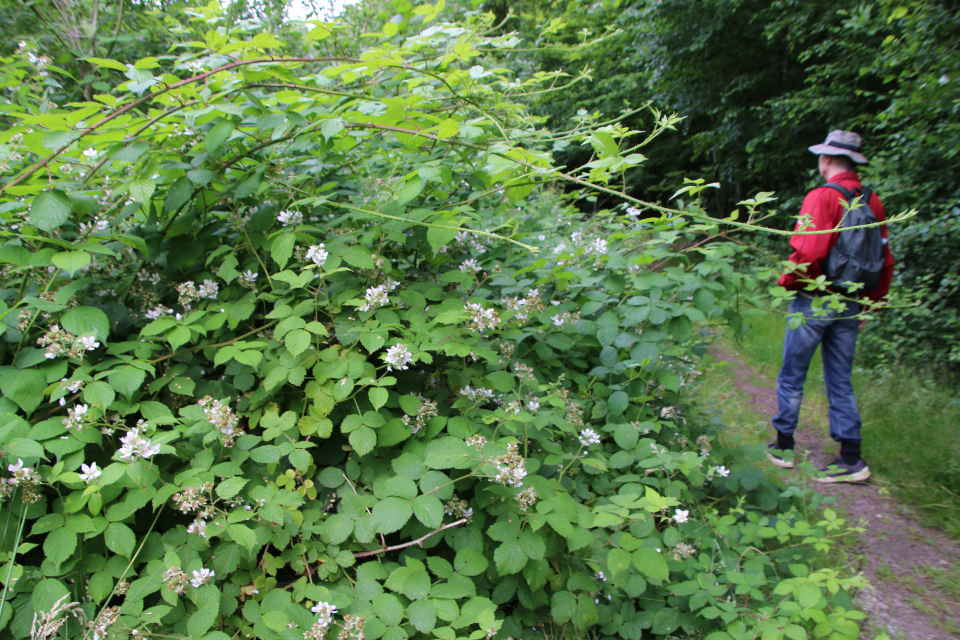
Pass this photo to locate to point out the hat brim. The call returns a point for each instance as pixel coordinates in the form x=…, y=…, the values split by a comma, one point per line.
x=828, y=150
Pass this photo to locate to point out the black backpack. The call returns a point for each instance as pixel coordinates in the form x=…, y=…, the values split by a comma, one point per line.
x=859, y=254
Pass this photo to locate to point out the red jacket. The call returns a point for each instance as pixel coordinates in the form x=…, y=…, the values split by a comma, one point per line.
x=823, y=205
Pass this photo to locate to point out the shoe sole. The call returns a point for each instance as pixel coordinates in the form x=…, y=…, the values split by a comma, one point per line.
x=860, y=476
x=780, y=462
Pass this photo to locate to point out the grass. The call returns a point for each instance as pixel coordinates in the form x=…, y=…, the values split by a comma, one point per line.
x=911, y=424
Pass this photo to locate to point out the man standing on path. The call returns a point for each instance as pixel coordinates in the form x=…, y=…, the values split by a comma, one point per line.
x=835, y=331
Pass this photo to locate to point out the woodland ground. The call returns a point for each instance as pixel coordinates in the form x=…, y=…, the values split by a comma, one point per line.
x=914, y=568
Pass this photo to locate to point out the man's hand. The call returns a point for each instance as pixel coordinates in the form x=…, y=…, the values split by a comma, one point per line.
x=863, y=323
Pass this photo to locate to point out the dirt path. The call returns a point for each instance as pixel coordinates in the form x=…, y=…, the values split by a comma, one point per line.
x=915, y=570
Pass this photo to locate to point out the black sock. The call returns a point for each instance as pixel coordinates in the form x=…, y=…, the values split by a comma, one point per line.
x=785, y=443
x=850, y=451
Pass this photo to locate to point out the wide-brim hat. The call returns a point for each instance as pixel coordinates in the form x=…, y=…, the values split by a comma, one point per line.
x=842, y=143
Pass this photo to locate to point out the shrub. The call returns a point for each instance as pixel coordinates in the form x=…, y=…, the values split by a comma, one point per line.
x=299, y=348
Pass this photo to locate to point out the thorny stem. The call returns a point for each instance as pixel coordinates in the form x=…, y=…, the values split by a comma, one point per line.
x=418, y=541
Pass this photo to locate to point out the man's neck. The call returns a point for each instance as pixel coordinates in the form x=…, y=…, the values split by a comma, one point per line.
x=833, y=173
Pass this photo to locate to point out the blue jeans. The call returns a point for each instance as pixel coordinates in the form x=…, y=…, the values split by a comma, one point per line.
x=836, y=334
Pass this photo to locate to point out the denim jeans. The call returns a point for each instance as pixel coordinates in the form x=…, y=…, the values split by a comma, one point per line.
x=836, y=334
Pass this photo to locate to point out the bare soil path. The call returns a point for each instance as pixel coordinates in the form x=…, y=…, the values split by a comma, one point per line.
x=915, y=570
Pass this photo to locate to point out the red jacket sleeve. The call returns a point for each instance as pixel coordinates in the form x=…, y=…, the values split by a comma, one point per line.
x=886, y=277
x=823, y=206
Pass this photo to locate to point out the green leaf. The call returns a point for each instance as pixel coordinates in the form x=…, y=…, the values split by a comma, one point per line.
x=510, y=557
x=423, y=615
x=24, y=387
x=378, y=396
x=100, y=586
x=562, y=606
x=182, y=386
x=532, y=544
x=49, y=210
x=586, y=614
x=230, y=487
x=47, y=592
x=85, y=321
x=390, y=514
x=99, y=394
x=331, y=127
x=618, y=403
x=178, y=194
x=119, y=539
x=142, y=190
x=126, y=379
x=651, y=564
x=202, y=177
x=449, y=453
x=470, y=562
x=626, y=436
x=203, y=618
x=281, y=248
x=242, y=535
x=219, y=134
x=300, y=459
x=617, y=561
x=428, y=510
x=59, y=545
x=108, y=63
x=71, y=261
x=363, y=440
x=297, y=341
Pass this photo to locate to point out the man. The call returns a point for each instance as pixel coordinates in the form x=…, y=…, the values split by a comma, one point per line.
x=835, y=331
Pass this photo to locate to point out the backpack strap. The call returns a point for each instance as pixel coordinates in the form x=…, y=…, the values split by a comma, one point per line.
x=847, y=194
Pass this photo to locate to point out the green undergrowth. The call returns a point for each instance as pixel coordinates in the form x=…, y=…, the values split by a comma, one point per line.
x=911, y=423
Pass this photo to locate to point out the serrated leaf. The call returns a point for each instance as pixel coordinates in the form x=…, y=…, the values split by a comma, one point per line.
x=142, y=190
x=49, y=210
x=651, y=564
x=119, y=539
x=378, y=396
x=423, y=615
x=363, y=440
x=99, y=394
x=470, y=562
x=428, y=510
x=85, y=321
x=71, y=261
x=59, y=545
x=532, y=545
x=297, y=341
x=510, y=557
x=24, y=387
x=126, y=379
x=230, y=487
x=242, y=535
x=218, y=134
x=390, y=514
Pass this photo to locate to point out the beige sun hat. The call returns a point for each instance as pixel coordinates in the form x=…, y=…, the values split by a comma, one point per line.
x=842, y=143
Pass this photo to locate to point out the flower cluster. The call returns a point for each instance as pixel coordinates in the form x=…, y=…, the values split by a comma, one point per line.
x=681, y=515
x=703, y=444
x=194, y=499
x=177, y=581
x=398, y=357
x=90, y=228
x=317, y=254
x=136, y=445
x=482, y=319
x=75, y=416
x=190, y=293
x=69, y=387
x=107, y=617
x=90, y=473
x=480, y=394
x=565, y=318
x=201, y=577
x=219, y=415
x=477, y=442
x=524, y=308
x=24, y=477
x=248, y=279
x=426, y=410
x=525, y=373
x=469, y=241
x=683, y=550
x=526, y=499
x=41, y=61
x=511, y=467
x=288, y=218
x=158, y=312
x=59, y=342
x=457, y=508
x=588, y=437
x=198, y=527
x=352, y=628
x=377, y=296
x=325, y=611
x=470, y=266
